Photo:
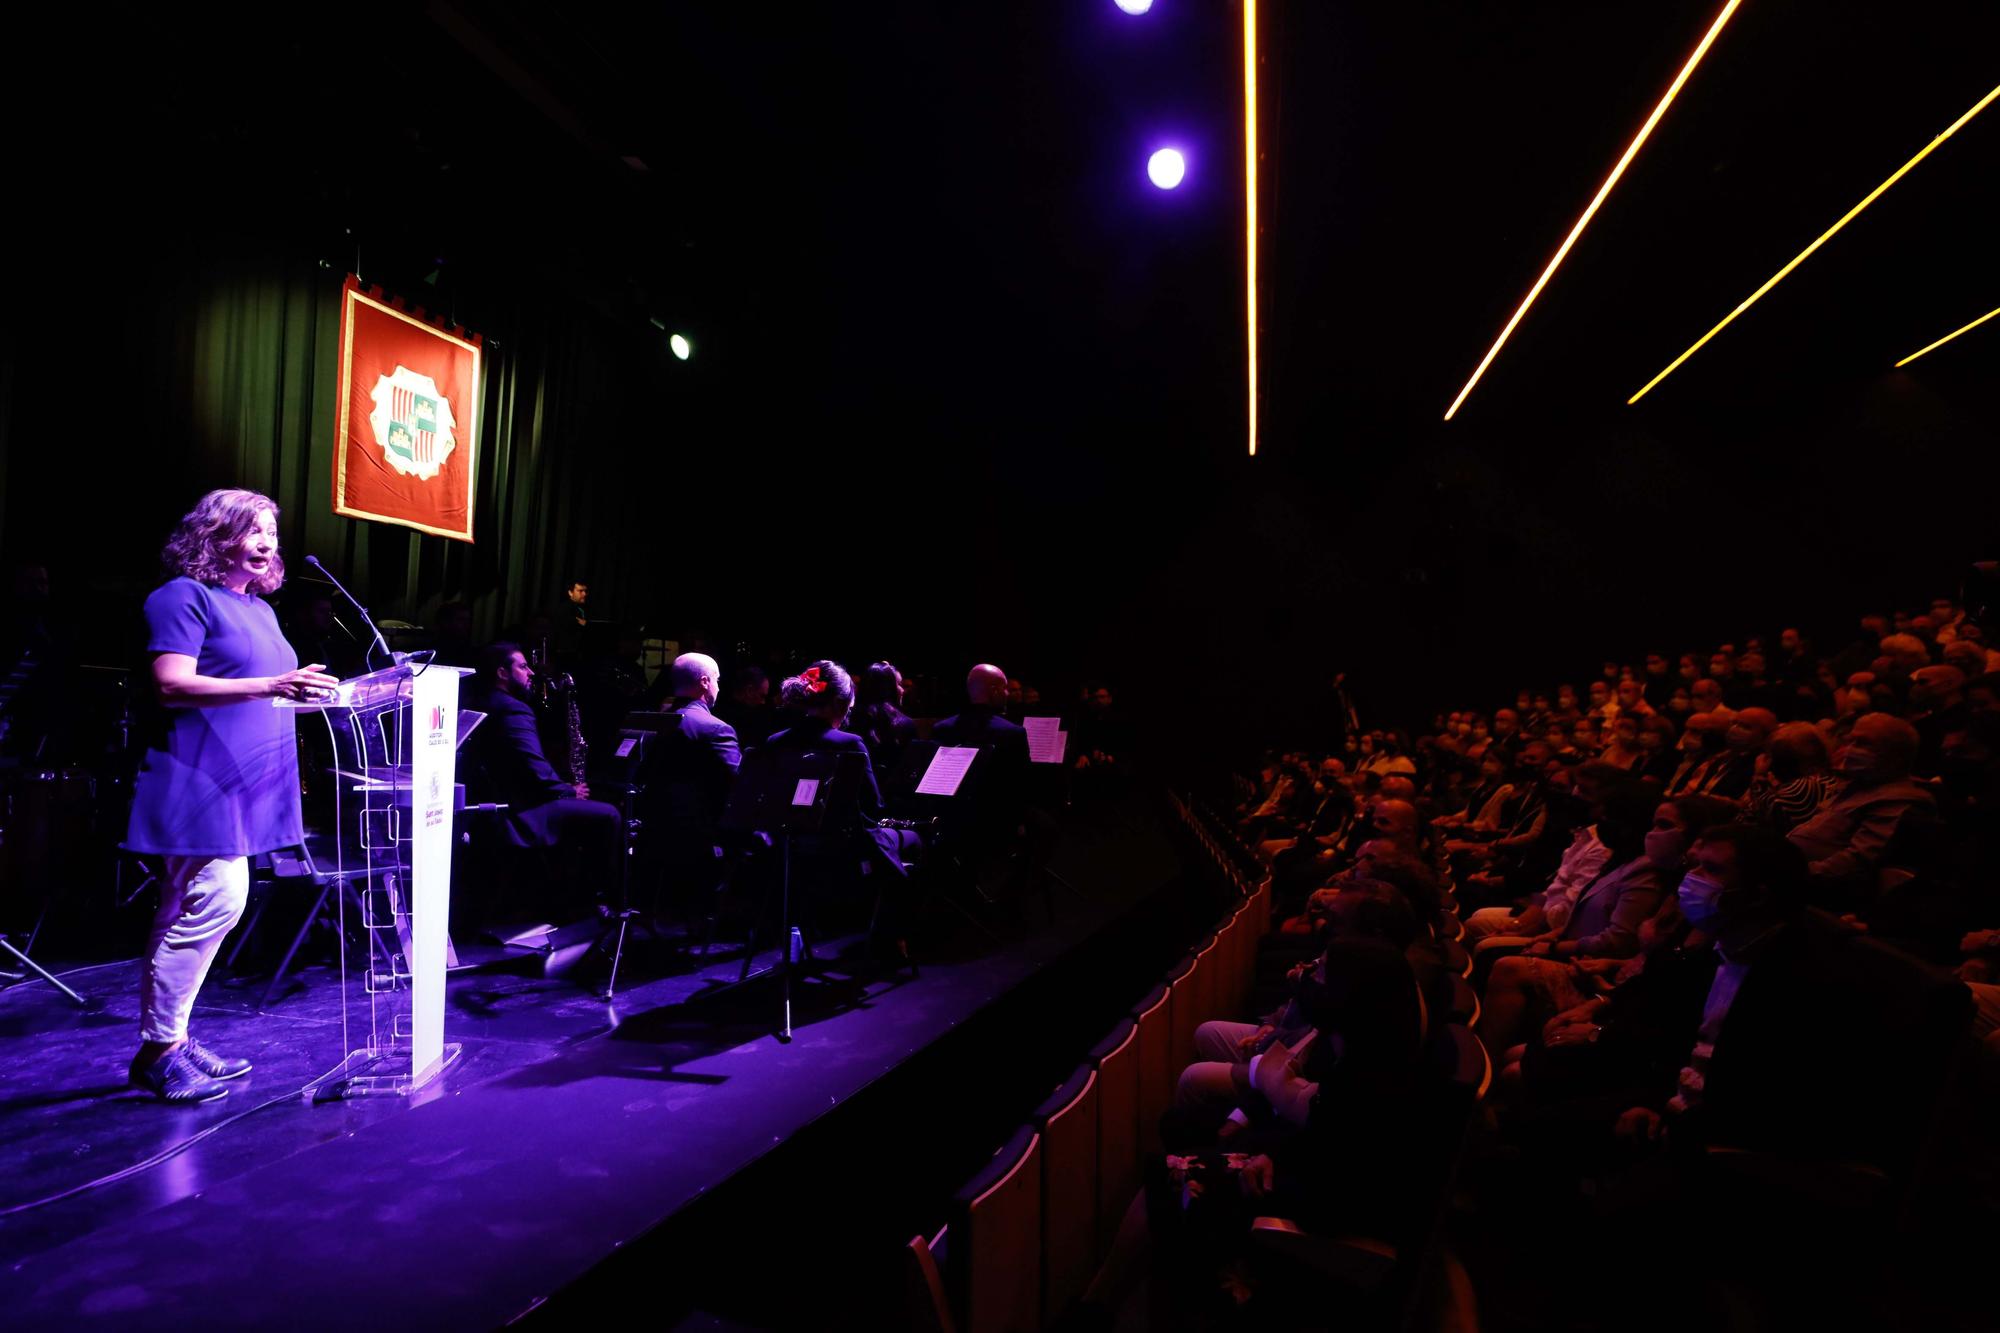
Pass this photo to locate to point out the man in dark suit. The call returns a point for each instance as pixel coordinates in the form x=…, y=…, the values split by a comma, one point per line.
x=1004, y=744
x=992, y=819
x=543, y=810
x=687, y=775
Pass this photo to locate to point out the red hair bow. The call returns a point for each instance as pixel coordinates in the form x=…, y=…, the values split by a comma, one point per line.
x=812, y=680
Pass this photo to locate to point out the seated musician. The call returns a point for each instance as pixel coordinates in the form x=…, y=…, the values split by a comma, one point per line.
x=543, y=810
x=999, y=789
x=820, y=699
x=880, y=718
x=687, y=777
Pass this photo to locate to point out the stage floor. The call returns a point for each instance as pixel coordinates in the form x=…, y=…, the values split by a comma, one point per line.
x=569, y=1128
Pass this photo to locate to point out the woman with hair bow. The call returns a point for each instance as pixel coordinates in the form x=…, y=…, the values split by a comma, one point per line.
x=822, y=696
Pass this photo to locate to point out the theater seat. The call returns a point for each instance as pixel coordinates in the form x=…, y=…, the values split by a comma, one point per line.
x=1067, y=1121
x=1464, y=1002
x=1456, y=959
x=926, y=1307
x=993, y=1263
x=1116, y=1060
x=1186, y=1010
x=1157, y=1070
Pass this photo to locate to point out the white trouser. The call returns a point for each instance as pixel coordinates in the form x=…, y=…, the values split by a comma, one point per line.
x=201, y=899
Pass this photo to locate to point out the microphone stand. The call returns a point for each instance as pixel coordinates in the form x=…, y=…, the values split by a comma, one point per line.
x=377, y=641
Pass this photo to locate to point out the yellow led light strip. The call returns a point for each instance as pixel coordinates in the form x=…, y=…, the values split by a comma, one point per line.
x=1824, y=237
x=1947, y=338
x=1250, y=198
x=1603, y=191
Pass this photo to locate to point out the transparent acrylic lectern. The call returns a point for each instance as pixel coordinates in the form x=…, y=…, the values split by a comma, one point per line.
x=395, y=743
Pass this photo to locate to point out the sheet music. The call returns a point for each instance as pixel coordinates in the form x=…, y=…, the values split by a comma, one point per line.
x=806, y=792
x=947, y=769
x=1046, y=739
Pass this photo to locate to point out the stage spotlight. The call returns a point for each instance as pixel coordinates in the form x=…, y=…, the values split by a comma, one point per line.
x=1134, y=6
x=682, y=347
x=1166, y=168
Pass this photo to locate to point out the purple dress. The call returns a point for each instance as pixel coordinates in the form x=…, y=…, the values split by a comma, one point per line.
x=220, y=781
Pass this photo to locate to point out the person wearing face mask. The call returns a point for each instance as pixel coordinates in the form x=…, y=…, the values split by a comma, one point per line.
x=219, y=779
x=1526, y=989
x=1594, y=1056
x=1757, y=1051
x=1844, y=842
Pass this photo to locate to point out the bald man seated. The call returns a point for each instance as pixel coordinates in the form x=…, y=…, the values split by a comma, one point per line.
x=688, y=773
x=980, y=723
x=1001, y=773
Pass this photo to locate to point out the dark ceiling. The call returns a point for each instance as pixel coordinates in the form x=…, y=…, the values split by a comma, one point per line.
x=915, y=250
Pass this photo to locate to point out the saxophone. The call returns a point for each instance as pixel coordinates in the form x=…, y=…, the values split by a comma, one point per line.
x=560, y=682
x=579, y=749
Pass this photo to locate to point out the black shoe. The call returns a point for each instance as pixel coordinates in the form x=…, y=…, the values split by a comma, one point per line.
x=173, y=1078
x=221, y=1068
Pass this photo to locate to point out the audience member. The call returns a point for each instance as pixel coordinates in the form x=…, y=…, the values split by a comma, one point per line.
x=1844, y=841
x=1792, y=782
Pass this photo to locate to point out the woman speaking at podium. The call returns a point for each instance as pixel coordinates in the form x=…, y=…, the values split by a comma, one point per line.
x=219, y=780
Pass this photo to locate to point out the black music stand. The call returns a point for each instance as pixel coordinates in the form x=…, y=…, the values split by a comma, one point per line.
x=780, y=793
x=952, y=815
x=635, y=734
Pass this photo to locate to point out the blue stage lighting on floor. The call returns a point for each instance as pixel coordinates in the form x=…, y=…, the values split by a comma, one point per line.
x=1166, y=168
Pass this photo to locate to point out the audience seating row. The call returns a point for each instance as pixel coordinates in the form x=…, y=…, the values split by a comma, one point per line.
x=1025, y=1235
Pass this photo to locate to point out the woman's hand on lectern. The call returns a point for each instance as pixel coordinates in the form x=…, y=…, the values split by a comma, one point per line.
x=302, y=682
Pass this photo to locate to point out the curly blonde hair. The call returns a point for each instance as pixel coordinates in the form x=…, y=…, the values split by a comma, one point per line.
x=204, y=544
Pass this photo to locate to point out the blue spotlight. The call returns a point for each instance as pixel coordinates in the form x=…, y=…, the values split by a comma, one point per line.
x=1167, y=168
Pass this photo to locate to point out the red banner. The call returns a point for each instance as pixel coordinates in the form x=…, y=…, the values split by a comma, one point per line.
x=406, y=441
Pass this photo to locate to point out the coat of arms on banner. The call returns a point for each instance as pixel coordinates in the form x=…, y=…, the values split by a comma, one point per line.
x=412, y=422
x=406, y=428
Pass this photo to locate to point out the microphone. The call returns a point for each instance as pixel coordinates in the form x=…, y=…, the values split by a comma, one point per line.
x=366, y=619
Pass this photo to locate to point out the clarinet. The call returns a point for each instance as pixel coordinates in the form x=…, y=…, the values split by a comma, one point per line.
x=579, y=749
